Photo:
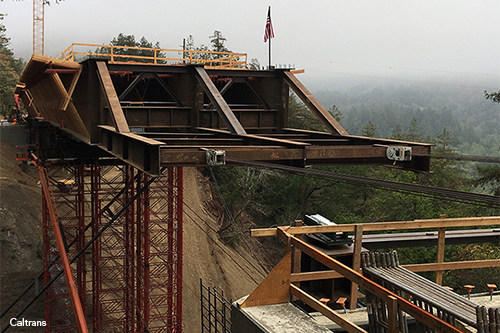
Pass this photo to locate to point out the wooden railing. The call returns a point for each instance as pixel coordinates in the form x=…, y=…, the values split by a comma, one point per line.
x=277, y=287
x=439, y=266
x=154, y=56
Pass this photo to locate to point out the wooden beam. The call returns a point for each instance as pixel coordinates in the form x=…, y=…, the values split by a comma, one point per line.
x=383, y=226
x=440, y=252
x=392, y=315
x=112, y=98
x=275, y=288
x=374, y=288
x=326, y=311
x=448, y=266
x=356, y=264
x=313, y=276
x=296, y=257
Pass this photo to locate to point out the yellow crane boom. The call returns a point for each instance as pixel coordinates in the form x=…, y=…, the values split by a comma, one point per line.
x=38, y=26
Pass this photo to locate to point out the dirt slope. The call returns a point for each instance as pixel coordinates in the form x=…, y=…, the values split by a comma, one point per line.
x=206, y=257
x=20, y=230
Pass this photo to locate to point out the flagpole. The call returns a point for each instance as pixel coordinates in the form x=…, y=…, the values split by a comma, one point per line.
x=269, y=14
x=269, y=53
x=269, y=33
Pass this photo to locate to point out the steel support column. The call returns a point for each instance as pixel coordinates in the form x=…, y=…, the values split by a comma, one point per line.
x=179, y=235
x=81, y=270
x=129, y=230
x=96, y=274
x=68, y=189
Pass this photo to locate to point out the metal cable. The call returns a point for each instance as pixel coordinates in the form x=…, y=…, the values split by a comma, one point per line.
x=446, y=194
x=215, y=242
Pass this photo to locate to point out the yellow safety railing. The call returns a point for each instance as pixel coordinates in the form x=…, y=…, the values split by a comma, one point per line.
x=152, y=56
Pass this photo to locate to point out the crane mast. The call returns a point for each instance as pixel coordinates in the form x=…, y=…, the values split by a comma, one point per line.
x=38, y=26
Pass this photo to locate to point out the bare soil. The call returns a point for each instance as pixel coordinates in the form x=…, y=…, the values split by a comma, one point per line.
x=231, y=269
x=20, y=231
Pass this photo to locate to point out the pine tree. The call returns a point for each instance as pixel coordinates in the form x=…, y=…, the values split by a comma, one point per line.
x=369, y=130
x=10, y=69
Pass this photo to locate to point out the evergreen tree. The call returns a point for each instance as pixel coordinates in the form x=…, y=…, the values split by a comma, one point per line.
x=217, y=40
x=398, y=134
x=494, y=96
x=334, y=110
x=254, y=64
x=10, y=69
x=301, y=117
x=369, y=130
x=489, y=175
x=138, y=55
x=414, y=132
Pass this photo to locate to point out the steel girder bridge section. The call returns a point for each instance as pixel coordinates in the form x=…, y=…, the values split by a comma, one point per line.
x=116, y=125
x=152, y=116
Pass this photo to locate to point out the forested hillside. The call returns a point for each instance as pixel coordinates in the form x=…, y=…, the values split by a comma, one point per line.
x=472, y=121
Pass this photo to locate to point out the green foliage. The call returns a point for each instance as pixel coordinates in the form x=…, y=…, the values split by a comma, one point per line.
x=414, y=132
x=488, y=176
x=254, y=64
x=477, y=277
x=301, y=117
x=217, y=41
x=369, y=130
x=494, y=96
x=334, y=110
x=129, y=40
x=10, y=69
x=404, y=114
x=190, y=45
x=280, y=198
x=469, y=118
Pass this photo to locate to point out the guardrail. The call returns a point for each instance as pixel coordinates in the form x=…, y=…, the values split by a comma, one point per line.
x=153, y=56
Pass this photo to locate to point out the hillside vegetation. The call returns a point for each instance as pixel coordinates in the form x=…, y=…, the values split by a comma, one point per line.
x=472, y=121
x=466, y=123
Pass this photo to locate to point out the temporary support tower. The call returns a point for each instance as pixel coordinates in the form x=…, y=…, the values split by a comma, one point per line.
x=131, y=279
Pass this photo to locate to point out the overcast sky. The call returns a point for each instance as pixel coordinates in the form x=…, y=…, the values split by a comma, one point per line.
x=380, y=38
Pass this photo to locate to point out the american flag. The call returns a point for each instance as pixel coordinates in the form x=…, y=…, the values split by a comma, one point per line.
x=268, y=33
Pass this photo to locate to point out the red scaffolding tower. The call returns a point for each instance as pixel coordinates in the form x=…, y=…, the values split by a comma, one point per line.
x=136, y=263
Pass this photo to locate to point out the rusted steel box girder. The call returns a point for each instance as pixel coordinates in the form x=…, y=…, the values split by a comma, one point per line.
x=169, y=115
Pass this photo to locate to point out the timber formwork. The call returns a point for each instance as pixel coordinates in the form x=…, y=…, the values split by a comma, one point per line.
x=384, y=269
x=131, y=278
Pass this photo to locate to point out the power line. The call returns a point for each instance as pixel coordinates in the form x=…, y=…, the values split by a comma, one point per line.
x=470, y=158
